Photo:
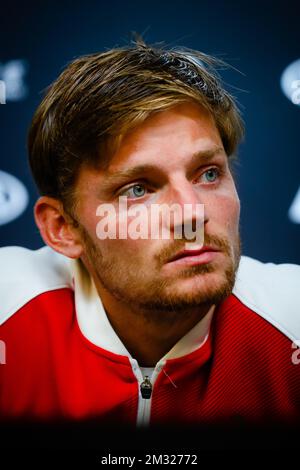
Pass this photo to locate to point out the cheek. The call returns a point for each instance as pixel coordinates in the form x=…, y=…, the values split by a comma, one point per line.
x=225, y=211
x=120, y=244
x=89, y=219
x=132, y=256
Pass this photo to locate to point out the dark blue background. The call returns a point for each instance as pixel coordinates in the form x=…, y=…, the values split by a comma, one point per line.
x=258, y=38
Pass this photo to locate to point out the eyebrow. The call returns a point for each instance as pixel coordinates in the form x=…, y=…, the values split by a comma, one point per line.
x=201, y=157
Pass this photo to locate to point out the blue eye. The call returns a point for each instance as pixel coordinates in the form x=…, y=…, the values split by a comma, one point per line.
x=136, y=191
x=211, y=174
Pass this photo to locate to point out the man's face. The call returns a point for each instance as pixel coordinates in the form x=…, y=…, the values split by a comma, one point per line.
x=164, y=160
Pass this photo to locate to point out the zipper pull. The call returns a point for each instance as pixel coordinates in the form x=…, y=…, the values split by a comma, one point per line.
x=146, y=388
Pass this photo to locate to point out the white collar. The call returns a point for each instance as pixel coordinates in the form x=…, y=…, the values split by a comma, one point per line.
x=95, y=326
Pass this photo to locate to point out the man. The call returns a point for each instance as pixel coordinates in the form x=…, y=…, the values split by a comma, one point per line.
x=143, y=330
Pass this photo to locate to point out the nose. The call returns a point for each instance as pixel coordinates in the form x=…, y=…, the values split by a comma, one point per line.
x=187, y=205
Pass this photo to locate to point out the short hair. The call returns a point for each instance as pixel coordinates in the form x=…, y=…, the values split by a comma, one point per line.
x=100, y=97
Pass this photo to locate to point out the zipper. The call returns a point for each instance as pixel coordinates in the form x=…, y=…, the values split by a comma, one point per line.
x=145, y=392
x=146, y=388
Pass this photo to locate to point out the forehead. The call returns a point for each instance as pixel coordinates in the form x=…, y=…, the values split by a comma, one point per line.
x=167, y=140
x=177, y=132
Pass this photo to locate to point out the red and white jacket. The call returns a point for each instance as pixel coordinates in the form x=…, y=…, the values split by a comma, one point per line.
x=61, y=359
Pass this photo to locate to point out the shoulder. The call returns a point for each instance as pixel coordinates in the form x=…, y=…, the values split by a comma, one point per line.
x=271, y=290
x=25, y=274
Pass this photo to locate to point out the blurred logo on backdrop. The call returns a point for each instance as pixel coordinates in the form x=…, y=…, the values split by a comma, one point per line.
x=12, y=81
x=294, y=210
x=2, y=92
x=14, y=197
x=290, y=82
x=290, y=85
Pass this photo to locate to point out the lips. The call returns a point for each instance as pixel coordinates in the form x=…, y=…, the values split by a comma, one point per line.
x=192, y=254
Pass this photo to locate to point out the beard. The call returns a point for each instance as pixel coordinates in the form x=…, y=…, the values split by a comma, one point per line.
x=129, y=282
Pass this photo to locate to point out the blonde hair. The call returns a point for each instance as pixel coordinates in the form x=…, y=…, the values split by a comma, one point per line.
x=100, y=97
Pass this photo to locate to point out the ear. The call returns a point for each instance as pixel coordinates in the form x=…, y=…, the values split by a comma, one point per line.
x=56, y=227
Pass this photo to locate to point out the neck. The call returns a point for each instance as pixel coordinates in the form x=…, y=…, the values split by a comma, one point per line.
x=148, y=336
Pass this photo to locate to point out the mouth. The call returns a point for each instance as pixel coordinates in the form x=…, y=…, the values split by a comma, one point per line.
x=195, y=256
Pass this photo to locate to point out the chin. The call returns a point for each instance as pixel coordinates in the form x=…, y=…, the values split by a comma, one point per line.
x=202, y=287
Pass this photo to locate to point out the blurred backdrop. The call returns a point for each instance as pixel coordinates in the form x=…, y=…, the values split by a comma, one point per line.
x=259, y=39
